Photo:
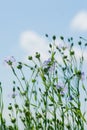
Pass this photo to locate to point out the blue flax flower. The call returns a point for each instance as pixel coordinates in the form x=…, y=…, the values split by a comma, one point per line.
x=10, y=60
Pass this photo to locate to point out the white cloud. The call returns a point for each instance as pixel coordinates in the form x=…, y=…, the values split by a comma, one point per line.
x=32, y=42
x=79, y=22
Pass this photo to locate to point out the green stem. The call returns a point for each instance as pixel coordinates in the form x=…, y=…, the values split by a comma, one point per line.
x=17, y=77
x=46, y=110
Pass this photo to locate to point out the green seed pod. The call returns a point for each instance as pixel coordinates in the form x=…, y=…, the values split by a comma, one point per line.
x=19, y=66
x=13, y=120
x=16, y=105
x=29, y=57
x=61, y=37
x=54, y=37
x=10, y=107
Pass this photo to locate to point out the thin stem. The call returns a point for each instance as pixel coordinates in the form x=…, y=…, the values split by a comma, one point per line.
x=17, y=77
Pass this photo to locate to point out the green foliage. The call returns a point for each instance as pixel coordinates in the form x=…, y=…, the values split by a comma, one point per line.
x=51, y=95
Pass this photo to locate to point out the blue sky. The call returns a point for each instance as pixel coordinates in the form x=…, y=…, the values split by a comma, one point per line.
x=23, y=24
x=48, y=16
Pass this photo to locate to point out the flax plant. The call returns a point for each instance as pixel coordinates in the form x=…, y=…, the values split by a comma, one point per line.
x=49, y=96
